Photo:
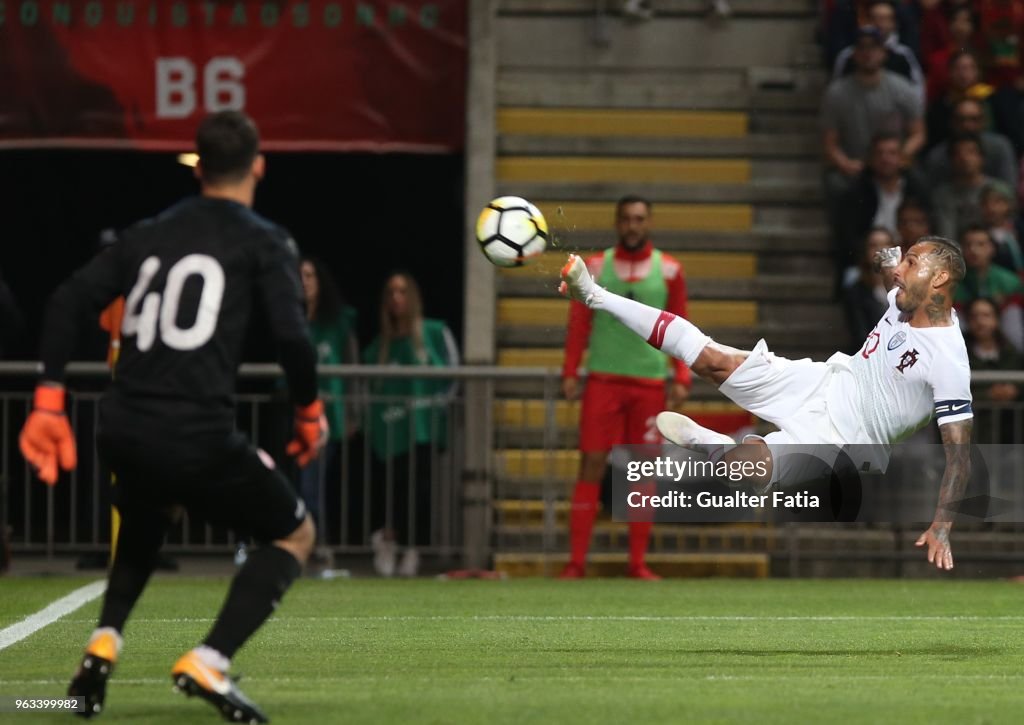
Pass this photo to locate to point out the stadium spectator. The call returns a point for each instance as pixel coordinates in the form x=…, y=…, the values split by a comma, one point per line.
x=987, y=349
x=912, y=221
x=332, y=326
x=999, y=215
x=999, y=160
x=857, y=108
x=899, y=58
x=984, y=279
x=957, y=202
x=959, y=35
x=964, y=82
x=840, y=20
x=407, y=423
x=935, y=20
x=11, y=320
x=1001, y=26
x=626, y=386
x=864, y=301
x=874, y=200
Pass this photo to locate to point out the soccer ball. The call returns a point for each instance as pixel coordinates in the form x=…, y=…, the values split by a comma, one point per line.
x=511, y=231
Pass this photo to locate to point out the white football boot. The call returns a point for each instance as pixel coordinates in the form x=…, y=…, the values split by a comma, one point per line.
x=577, y=283
x=687, y=433
x=683, y=431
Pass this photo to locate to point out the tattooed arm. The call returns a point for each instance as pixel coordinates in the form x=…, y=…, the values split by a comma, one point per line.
x=956, y=440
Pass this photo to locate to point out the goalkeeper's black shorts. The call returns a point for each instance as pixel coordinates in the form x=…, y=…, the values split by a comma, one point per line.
x=220, y=479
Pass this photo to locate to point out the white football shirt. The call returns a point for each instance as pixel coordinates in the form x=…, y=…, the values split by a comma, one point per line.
x=900, y=377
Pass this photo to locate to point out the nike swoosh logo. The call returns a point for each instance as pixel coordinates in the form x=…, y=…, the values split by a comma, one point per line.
x=657, y=337
x=216, y=680
x=955, y=408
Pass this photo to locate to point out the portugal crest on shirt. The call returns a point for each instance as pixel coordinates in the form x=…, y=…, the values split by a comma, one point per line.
x=907, y=360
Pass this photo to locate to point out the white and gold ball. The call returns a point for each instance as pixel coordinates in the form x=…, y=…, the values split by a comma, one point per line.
x=511, y=231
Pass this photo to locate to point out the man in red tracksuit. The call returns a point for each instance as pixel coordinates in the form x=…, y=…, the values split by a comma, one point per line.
x=626, y=383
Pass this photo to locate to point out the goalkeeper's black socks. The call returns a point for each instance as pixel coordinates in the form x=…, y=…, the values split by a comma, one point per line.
x=125, y=585
x=255, y=592
x=135, y=559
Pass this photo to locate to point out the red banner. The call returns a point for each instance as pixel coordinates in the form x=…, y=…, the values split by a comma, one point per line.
x=315, y=75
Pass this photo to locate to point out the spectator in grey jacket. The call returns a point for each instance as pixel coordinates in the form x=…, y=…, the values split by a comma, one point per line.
x=999, y=159
x=859, y=107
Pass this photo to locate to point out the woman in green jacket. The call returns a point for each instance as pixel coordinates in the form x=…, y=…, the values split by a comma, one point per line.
x=332, y=326
x=407, y=424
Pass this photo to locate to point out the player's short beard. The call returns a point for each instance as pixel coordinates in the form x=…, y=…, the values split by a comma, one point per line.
x=913, y=297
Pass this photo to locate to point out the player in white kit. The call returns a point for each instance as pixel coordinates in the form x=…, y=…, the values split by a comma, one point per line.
x=912, y=365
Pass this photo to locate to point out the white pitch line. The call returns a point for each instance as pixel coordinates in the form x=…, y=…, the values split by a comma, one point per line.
x=51, y=613
x=818, y=676
x=606, y=618
x=120, y=681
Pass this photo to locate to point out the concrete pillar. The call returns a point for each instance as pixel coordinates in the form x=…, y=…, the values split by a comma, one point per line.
x=479, y=312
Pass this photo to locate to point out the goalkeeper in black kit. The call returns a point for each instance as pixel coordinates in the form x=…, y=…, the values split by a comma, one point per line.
x=190, y=277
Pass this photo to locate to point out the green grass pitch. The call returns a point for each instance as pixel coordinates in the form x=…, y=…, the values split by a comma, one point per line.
x=537, y=651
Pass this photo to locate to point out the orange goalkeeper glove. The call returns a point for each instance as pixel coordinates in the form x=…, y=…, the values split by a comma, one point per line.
x=47, y=440
x=310, y=433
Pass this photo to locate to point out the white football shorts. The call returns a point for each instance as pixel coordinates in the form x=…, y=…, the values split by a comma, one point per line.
x=792, y=395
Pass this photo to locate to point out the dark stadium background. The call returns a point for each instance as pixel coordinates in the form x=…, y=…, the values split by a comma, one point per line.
x=364, y=214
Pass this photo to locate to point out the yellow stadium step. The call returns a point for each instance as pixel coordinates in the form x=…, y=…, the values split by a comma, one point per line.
x=527, y=413
x=531, y=516
x=531, y=357
x=737, y=536
x=620, y=122
x=697, y=564
x=565, y=217
x=696, y=265
x=540, y=311
x=575, y=169
x=532, y=512
x=534, y=463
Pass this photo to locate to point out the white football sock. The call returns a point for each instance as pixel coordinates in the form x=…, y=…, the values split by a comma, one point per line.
x=212, y=658
x=100, y=631
x=667, y=332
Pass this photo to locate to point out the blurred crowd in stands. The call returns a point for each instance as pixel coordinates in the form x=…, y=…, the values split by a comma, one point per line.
x=922, y=127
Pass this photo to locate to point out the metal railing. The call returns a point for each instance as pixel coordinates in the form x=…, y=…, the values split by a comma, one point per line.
x=358, y=489
x=498, y=468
